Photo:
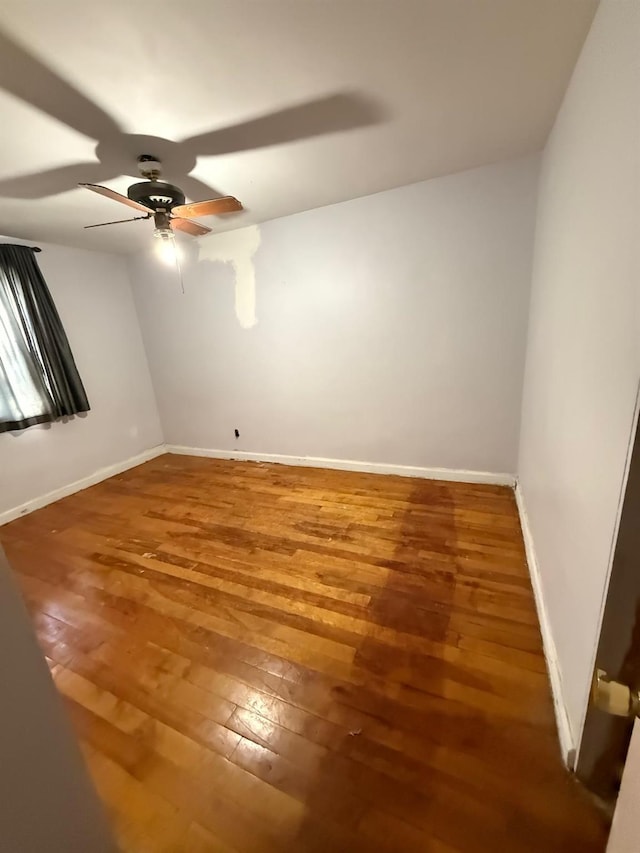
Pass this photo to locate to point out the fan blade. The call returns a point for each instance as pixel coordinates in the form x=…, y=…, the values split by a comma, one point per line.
x=96, y=188
x=118, y=221
x=193, y=228
x=343, y=111
x=212, y=207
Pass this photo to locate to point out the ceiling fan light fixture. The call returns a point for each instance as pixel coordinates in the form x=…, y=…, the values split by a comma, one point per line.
x=166, y=247
x=166, y=204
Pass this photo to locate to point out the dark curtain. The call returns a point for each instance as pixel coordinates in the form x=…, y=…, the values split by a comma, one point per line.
x=39, y=380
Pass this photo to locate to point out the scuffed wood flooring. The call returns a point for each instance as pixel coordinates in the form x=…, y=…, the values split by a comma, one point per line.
x=262, y=658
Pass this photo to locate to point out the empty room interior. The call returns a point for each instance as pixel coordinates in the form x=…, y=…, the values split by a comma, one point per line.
x=319, y=367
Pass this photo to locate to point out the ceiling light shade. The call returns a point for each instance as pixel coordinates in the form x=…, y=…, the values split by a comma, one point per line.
x=166, y=247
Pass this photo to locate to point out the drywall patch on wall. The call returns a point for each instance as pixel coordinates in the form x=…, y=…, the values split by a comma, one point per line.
x=238, y=249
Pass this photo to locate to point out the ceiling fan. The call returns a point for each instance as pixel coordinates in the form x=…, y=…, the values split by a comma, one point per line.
x=164, y=202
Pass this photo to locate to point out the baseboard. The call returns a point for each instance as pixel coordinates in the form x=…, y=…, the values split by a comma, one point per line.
x=451, y=474
x=565, y=734
x=97, y=477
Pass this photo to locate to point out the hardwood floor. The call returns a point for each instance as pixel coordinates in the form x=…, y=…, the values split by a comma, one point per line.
x=262, y=658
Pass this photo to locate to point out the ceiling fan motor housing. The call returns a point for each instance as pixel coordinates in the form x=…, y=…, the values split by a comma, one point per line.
x=158, y=195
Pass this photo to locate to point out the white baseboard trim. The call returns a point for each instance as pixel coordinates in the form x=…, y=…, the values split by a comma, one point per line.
x=451, y=474
x=566, y=737
x=97, y=477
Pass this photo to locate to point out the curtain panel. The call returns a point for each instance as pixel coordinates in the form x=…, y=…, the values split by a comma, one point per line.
x=39, y=380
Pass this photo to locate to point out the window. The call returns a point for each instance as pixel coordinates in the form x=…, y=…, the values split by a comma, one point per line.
x=39, y=380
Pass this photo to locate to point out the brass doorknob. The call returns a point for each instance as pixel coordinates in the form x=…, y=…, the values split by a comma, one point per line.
x=612, y=697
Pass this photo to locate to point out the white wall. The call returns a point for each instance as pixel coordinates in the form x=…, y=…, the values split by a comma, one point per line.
x=389, y=329
x=93, y=295
x=583, y=362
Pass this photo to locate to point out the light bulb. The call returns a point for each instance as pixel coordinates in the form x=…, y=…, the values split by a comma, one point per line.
x=166, y=247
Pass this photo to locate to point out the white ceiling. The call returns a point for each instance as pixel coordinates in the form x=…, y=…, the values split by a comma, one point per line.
x=443, y=85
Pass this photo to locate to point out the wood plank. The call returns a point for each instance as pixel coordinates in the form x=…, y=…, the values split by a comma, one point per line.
x=263, y=658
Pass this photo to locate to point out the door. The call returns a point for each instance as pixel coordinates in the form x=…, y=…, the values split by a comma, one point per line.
x=606, y=737
x=625, y=830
